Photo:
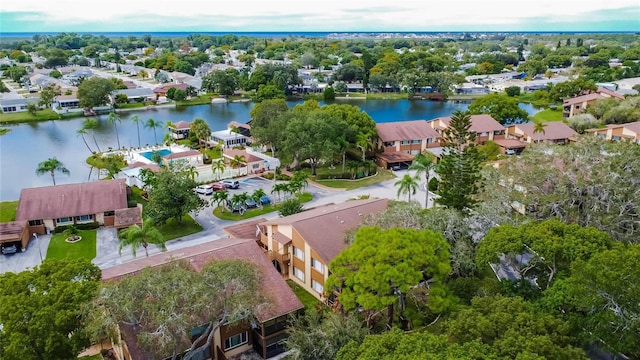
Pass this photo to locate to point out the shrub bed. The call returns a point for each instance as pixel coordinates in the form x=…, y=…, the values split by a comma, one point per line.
x=86, y=226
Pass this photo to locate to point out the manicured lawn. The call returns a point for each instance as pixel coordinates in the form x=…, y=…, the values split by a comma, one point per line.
x=382, y=175
x=8, y=211
x=198, y=100
x=212, y=153
x=97, y=161
x=172, y=230
x=529, y=98
x=41, y=115
x=548, y=115
x=385, y=96
x=83, y=249
x=309, y=301
x=131, y=106
x=226, y=215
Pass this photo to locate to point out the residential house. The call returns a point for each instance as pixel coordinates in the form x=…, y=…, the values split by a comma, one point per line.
x=401, y=140
x=554, y=132
x=578, y=104
x=66, y=102
x=76, y=76
x=254, y=164
x=264, y=336
x=15, y=233
x=484, y=125
x=17, y=105
x=617, y=132
x=134, y=95
x=471, y=89
x=180, y=130
x=228, y=138
x=131, y=174
x=104, y=202
x=302, y=245
x=162, y=90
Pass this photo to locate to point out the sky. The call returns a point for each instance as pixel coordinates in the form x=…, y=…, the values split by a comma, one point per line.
x=317, y=16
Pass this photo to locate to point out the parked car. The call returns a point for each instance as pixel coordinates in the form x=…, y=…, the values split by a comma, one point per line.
x=231, y=184
x=241, y=208
x=265, y=200
x=250, y=203
x=9, y=249
x=509, y=152
x=218, y=186
x=204, y=189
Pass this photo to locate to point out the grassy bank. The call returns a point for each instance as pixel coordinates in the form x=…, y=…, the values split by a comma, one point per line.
x=8, y=210
x=18, y=117
x=309, y=301
x=548, y=115
x=83, y=249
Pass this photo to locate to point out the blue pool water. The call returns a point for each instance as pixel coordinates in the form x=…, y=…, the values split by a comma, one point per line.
x=149, y=154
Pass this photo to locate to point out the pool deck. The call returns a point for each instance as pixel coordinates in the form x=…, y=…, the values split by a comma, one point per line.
x=135, y=155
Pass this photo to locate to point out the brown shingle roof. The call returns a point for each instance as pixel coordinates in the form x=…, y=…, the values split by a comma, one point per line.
x=282, y=299
x=582, y=98
x=183, y=154
x=554, y=130
x=182, y=125
x=405, y=130
x=11, y=231
x=281, y=238
x=479, y=123
x=231, y=153
x=509, y=143
x=127, y=217
x=395, y=156
x=246, y=230
x=72, y=200
x=324, y=227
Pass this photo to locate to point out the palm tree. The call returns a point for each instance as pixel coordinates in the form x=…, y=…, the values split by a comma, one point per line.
x=114, y=119
x=82, y=132
x=239, y=199
x=192, y=172
x=220, y=198
x=136, y=120
x=538, y=127
x=423, y=163
x=218, y=166
x=135, y=236
x=90, y=125
x=153, y=124
x=237, y=161
x=363, y=142
x=50, y=166
x=300, y=178
x=407, y=185
x=257, y=196
x=167, y=126
x=353, y=167
x=279, y=188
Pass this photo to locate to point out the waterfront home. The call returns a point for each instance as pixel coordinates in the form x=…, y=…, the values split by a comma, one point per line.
x=66, y=102
x=162, y=90
x=253, y=163
x=263, y=336
x=555, y=132
x=484, y=125
x=134, y=95
x=228, y=138
x=618, y=132
x=302, y=245
x=103, y=202
x=191, y=157
x=17, y=105
x=579, y=104
x=180, y=130
x=401, y=141
x=131, y=174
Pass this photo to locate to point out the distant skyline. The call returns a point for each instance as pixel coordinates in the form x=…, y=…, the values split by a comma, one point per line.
x=322, y=16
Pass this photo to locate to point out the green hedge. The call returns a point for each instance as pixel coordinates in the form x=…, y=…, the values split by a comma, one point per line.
x=86, y=226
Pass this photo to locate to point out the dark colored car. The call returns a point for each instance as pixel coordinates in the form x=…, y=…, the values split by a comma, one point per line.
x=250, y=203
x=9, y=249
x=265, y=200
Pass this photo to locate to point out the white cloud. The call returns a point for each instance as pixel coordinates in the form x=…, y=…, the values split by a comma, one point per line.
x=328, y=13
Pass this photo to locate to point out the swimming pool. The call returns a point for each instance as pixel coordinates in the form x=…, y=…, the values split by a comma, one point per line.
x=162, y=152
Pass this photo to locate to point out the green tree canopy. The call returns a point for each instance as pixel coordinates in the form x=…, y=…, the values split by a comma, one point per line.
x=48, y=93
x=94, y=92
x=377, y=271
x=51, y=166
x=173, y=196
x=200, y=129
x=459, y=167
x=225, y=291
x=42, y=310
x=224, y=82
x=501, y=107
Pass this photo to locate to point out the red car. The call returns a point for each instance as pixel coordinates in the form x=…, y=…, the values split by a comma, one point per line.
x=218, y=186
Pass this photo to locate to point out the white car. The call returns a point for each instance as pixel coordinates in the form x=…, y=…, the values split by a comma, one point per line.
x=204, y=189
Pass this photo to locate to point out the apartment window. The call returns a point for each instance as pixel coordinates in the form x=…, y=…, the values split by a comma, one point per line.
x=297, y=252
x=84, y=218
x=429, y=140
x=317, y=286
x=235, y=341
x=35, y=222
x=109, y=213
x=405, y=142
x=64, y=220
x=317, y=265
x=416, y=141
x=298, y=273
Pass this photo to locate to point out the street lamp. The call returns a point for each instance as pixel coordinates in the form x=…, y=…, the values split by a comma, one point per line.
x=39, y=249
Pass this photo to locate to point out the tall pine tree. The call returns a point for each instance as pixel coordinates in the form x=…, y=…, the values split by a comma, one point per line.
x=459, y=168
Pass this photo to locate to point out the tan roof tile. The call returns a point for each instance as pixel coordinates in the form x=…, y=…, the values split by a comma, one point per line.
x=405, y=130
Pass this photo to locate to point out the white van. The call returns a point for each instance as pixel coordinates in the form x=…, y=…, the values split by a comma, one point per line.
x=231, y=184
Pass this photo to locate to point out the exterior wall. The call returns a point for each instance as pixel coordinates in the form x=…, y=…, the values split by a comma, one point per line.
x=100, y=218
x=255, y=167
x=296, y=262
x=38, y=229
x=25, y=237
x=226, y=332
x=320, y=277
x=14, y=108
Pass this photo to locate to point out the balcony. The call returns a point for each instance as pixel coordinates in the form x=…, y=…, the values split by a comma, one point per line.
x=283, y=259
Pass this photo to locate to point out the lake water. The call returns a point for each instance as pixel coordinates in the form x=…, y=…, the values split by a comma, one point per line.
x=26, y=145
